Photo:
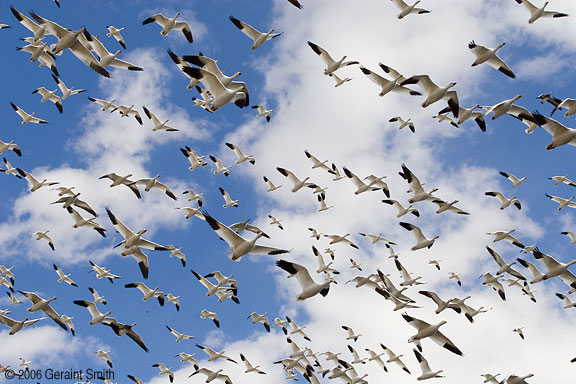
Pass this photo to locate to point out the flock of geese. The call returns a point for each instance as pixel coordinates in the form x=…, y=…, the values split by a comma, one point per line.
x=214, y=91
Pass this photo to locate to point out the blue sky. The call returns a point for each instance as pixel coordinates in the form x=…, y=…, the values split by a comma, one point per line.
x=348, y=126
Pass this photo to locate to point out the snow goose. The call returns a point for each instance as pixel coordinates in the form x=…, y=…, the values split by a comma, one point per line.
x=323, y=206
x=406, y=9
x=40, y=304
x=165, y=371
x=387, y=85
x=179, y=336
x=469, y=113
x=213, y=375
x=181, y=65
x=62, y=277
x=140, y=258
x=403, y=123
x=4, y=26
x=393, y=358
x=341, y=239
x=338, y=80
x=125, y=329
x=505, y=202
x=220, y=168
x=537, y=276
x=38, y=30
x=258, y=37
x=68, y=321
x=158, y=125
x=570, y=105
x=27, y=118
x=351, y=334
x=245, y=226
x=557, y=179
x=275, y=221
x=213, y=355
x=188, y=358
x=519, y=332
x=107, y=58
x=115, y=32
x=513, y=379
x=13, y=299
x=427, y=373
x=177, y=252
x=104, y=355
x=212, y=289
x=504, y=267
x=173, y=299
x=250, y=367
x=508, y=106
x=240, y=155
x=133, y=238
x=441, y=304
x=16, y=326
x=69, y=200
x=322, y=266
x=359, y=184
x=355, y=356
x=10, y=147
x=103, y=272
x=506, y=236
x=147, y=292
x=567, y=302
x=309, y=287
x=421, y=240
x=97, y=316
x=408, y=280
x=194, y=196
x=195, y=160
x=444, y=117
x=376, y=357
x=97, y=297
x=228, y=202
x=49, y=95
x=446, y=206
x=271, y=186
x=153, y=182
x=191, y=212
x=257, y=318
x=72, y=40
x=515, y=181
x=79, y=221
x=571, y=236
x=222, y=94
x=331, y=64
x=170, y=24
x=488, y=55
x=10, y=170
x=205, y=314
x=104, y=103
x=419, y=194
x=561, y=134
x=427, y=330
x=43, y=236
x=493, y=281
x=434, y=92
x=66, y=92
x=562, y=202
x=126, y=111
x=391, y=289
x=298, y=184
x=536, y=13
x=376, y=238
x=7, y=272
x=392, y=72
x=316, y=163
x=401, y=210
x=556, y=268
x=211, y=66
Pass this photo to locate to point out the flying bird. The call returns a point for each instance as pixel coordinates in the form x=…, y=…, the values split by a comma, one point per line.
x=536, y=13
x=406, y=9
x=488, y=55
x=331, y=64
x=258, y=37
x=168, y=25
x=309, y=287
